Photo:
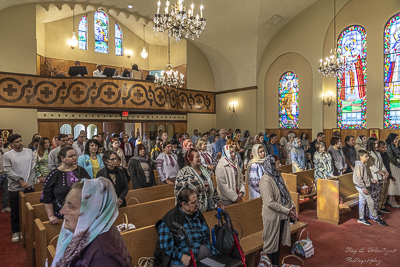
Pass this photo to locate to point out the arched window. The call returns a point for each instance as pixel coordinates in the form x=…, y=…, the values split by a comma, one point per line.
x=101, y=32
x=77, y=129
x=352, y=82
x=118, y=40
x=91, y=130
x=66, y=129
x=392, y=73
x=82, y=33
x=289, y=101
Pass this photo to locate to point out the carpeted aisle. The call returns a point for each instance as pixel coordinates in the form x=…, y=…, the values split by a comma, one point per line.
x=12, y=254
x=351, y=243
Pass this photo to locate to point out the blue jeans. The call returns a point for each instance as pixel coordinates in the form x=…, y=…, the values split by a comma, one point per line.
x=4, y=191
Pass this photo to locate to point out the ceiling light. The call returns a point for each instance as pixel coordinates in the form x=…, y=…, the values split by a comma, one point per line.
x=130, y=6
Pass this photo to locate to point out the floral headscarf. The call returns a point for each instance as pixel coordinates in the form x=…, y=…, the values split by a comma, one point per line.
x=97, y=214
x=270, y=170
x=295, y=144
x=226, y=154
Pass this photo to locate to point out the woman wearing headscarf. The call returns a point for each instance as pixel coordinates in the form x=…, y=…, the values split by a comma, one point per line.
x=88, y=237
x=116, y=175
x=394, y=158
x=338, y=158
x=323, y=166
x=361, y=143
x=147, y=143
x=207, y=159
x=196, y=177
x=288, y=148
x=255, y=170
x=277, y=209
x=298, y=156
x=229, y=177
x=141, y=169
x=233, y=142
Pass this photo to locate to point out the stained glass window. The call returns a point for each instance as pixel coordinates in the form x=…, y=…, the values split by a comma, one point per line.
x=352, y=82
x=289, y=101
x=392, y=73
x=82, y=33
x=101, y=32
x=118, y=40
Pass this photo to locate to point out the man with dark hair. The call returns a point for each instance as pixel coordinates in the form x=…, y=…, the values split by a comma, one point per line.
x=195, y=136
x=211, y=136
x=132, y=139
x=273, y=146
x=350, y=152
x=221, y=142
x=382, y=148
x=19, y=166
x=174, y=251
x=79, y=144
x=320, y=138
x=284, y=138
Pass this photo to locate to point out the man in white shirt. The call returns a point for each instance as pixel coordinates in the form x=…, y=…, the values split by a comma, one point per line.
x=19, y=166
x=98, y=72
x=79, y=145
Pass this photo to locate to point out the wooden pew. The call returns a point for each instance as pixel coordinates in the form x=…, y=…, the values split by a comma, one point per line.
x=145, y=214
x=33, y=198
x=38, y=187
x=51, y=253
x=330, y=194
x=31, y=213
x=286, y=168
x=44, y=231
x=149, y=194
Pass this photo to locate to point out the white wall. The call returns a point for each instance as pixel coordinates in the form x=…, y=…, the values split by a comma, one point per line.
x=21, y=121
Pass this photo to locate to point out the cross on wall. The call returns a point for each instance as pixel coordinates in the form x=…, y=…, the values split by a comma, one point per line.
x=109, y=93
x=10, y=90
x=46, y=92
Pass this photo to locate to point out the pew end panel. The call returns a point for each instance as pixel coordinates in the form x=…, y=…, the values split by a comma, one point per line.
x=44, y=233
x=328, y=201
x=29, y=234
x=22, y=219
x=290, y=181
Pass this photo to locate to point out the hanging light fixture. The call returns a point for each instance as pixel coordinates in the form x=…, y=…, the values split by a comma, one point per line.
x=177, y=22
x=333, y=65
x=74, y=40
x=144, y=53
x=169, y=76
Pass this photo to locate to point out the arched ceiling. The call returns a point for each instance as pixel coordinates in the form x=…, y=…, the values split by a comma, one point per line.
x=235, y=37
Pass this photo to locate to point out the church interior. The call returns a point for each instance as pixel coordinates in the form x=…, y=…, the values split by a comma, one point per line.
x=270, y=66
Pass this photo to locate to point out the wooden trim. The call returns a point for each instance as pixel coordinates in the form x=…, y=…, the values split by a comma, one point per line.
x=237, y=90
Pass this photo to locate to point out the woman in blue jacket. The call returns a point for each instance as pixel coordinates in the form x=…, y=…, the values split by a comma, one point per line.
x=91, y=161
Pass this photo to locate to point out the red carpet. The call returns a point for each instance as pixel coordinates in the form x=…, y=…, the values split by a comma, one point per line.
x=351, y=243
x=348, y=244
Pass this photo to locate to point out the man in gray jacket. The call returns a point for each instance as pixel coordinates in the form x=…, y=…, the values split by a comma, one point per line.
x=19, y=166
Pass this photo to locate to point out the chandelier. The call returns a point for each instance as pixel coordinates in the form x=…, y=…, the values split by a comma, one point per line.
x=169, y=76
x=177, y=22
x=333, y=65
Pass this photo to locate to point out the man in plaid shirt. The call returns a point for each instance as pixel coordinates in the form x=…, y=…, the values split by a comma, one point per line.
x=177, y=250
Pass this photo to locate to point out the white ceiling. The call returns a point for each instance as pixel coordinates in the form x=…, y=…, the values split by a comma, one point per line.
x=235, y=37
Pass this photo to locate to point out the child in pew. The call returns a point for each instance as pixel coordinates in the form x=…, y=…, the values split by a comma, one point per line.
x=362, y=181
x=309, y=161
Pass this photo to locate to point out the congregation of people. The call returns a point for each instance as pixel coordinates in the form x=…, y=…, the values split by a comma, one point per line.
x=208, y=171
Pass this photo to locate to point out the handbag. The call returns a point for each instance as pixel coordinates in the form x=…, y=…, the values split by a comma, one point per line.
x=264, y=260
x=291, y=265
x=303, y=247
